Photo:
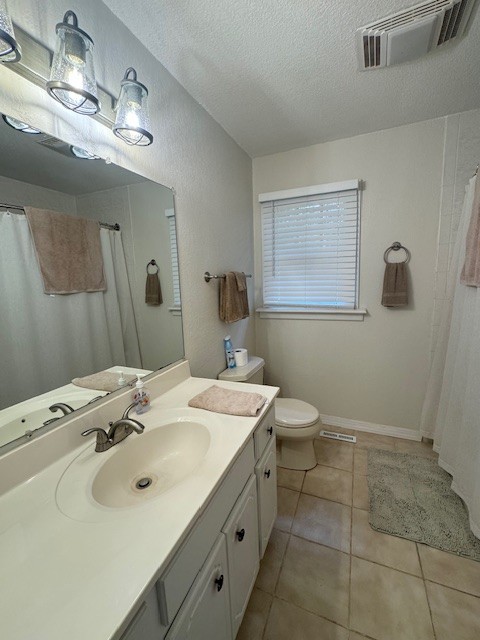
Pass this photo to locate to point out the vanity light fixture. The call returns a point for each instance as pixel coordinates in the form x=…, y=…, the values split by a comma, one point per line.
x=18, y=125
x=78, y=152
x=9, y=48
x=132, y=122
x=72, y=75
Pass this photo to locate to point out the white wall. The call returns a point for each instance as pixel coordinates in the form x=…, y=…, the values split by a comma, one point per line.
x=376, y=370
x=26, y=194
x=191, y=152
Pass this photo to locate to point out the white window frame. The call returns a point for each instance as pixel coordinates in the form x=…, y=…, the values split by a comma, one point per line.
x=316, y=313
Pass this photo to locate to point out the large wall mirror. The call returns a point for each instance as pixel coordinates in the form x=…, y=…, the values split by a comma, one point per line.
x=47, y=340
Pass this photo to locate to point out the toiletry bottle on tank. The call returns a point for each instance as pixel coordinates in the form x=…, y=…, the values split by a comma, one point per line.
x=229, y=352
x=141, y=396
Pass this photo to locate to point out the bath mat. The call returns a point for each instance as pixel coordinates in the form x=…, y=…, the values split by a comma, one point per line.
x=410, y=497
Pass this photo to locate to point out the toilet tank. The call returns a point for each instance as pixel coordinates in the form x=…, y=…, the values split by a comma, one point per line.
x=252, y=372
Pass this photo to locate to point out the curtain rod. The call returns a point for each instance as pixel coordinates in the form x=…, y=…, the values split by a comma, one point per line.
x=21, y=211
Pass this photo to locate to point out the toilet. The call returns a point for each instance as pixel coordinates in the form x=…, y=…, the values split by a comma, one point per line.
x=297, y=423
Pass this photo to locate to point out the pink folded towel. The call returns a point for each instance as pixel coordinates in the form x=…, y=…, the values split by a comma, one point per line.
x=102, y=381
x=235, y=403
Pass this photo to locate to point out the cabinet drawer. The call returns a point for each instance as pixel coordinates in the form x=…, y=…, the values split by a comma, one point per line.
x=173, y=585
x=205, y=614
x=241, y=532
x=264, y=432
x=266, y=473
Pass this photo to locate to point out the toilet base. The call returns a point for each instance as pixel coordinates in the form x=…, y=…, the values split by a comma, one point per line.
x=296, y=454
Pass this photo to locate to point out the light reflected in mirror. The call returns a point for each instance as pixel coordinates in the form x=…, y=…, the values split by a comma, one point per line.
x=131, y=324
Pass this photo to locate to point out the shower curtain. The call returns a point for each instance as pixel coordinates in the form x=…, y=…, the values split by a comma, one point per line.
x=451, y=410
x=45, y=341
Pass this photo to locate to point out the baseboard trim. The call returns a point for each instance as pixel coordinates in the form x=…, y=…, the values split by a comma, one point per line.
x=371, y=427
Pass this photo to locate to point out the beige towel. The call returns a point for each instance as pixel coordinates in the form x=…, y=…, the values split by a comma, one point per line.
x=68, y=251
x=153, y=291
x=395, y=287
x=102, y=381
x=471, y=269
x=235, y=403
x=233, y=297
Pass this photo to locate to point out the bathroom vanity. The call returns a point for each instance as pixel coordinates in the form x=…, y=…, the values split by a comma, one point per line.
x=86, y=555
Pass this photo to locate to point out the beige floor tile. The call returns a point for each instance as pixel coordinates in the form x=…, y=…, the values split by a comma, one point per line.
x=255, y=618
x=360, y=492
x=288, y=622
x=323, y=521
x=327, y=482
x=272, y=561
x=365, y=440
x=356, y=636
x=417, y=448
x=456, y=615
x=290, y=479
x=334, y=454
x=387, y=604
x=287, y=504
x=360, y=461
x=452, y=571
x=316, y=578
x=391, y=551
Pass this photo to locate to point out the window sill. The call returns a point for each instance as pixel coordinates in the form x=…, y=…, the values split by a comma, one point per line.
x=175, y=311
x=355, y=315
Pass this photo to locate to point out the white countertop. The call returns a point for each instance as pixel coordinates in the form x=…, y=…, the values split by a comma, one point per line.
x=65, y=578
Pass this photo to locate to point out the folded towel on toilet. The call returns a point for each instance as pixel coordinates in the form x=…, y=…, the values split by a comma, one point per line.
x=102, y=381
x=235, y=403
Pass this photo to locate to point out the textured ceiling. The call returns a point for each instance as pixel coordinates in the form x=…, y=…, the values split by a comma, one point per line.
x=278, y=74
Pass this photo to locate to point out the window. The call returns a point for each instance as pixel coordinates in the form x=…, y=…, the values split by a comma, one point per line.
x=311, y=247
x=170, y=214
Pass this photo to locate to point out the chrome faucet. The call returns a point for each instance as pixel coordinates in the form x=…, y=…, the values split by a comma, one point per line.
x=65, y=408
x=119, y=430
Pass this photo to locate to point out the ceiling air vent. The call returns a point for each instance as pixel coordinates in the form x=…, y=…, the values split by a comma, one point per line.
x=412, y=33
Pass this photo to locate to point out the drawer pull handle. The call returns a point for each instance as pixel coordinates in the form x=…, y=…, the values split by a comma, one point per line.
x=267, y=473
x=240, y=535
x=270, y=431
x=219, y=582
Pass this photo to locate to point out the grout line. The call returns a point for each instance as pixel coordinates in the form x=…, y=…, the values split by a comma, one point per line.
x=350, y=564
x=314, y=613
x=426, y=591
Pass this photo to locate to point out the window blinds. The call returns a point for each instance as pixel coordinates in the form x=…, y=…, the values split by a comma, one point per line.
x=170, y=213
x=310, y=248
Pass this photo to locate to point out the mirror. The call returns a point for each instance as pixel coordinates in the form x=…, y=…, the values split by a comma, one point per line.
x=49, y=339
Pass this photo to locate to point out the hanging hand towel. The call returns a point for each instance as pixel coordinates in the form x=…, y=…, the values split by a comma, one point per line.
x=68, y=251
x=471, y=269
x=153, y=290
x=235, y=403
x=233, y=297
x=395, y=287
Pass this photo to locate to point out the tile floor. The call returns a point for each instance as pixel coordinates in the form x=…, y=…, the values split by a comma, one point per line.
x=327, y=575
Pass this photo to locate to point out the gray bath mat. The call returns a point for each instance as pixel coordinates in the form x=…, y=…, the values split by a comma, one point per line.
x=410, y=497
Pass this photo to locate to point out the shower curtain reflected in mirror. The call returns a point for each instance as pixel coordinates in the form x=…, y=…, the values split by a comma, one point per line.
x=47, y=340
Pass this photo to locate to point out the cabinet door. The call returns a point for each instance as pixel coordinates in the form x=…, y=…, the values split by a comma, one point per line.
x=266, y=472
x=146, y=624
x=241, y=532
x=205, y=614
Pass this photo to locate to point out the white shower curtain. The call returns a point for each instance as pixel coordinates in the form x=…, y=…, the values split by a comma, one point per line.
x=45, y=341
x=451, y=411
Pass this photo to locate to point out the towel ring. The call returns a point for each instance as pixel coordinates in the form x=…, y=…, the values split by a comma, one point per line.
x=396, y=246
x=152, y=263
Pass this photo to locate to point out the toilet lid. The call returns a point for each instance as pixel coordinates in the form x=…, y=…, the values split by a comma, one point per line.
x=294, y=413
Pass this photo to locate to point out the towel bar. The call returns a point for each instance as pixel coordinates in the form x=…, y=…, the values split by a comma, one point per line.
x=396, y=246
x=208, y=276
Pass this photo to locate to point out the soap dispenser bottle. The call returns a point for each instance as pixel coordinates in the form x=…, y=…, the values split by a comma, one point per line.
x=141, y=396
x=229, y=352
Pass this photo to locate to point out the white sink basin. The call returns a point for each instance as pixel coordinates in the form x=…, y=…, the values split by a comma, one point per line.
x=151, y=463
x=174, y=448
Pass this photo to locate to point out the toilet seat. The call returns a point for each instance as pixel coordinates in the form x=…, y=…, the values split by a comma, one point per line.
x=293, y=414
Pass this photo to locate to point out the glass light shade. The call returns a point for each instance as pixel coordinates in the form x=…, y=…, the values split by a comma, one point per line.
x=132, y=122
x=19, y=125
x=9, y=48
x=72, y=75
x=83, y=154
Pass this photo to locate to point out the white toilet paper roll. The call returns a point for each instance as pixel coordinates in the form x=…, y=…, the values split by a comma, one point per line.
x=241, y=357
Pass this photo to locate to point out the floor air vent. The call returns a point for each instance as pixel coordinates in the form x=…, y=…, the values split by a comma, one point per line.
x=411, y=33
x=333, y=435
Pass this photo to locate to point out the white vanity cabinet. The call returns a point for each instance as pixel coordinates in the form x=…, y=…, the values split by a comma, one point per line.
x=204, y=591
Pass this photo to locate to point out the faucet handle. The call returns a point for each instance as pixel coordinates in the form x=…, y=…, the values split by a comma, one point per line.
x=103, y=441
